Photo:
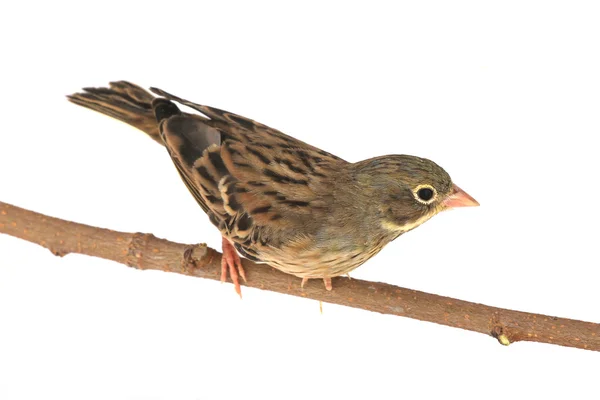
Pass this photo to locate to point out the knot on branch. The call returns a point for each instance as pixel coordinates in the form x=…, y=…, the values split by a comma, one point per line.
x=135, y=250
x=59, y=252
x=499, y=333
x=197, y=256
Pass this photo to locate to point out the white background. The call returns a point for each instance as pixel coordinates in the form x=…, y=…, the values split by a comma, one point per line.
x=504, y=95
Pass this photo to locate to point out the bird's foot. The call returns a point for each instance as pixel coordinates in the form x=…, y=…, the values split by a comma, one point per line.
x=326, y=281
x=230, y=261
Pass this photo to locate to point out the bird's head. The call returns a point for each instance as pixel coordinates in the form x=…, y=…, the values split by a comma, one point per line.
x=408, y=190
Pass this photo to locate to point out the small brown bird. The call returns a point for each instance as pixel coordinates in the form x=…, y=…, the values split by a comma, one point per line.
x=276, y=199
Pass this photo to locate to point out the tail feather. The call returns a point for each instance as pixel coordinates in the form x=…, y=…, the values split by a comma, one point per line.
x=123, y=101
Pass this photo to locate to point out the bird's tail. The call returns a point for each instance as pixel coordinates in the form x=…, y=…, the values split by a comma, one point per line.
x=124, y=101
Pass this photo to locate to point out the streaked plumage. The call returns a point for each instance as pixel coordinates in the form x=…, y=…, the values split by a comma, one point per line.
x=277, y=199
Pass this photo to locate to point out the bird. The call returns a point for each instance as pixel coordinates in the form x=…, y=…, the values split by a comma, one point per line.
x=276, y=199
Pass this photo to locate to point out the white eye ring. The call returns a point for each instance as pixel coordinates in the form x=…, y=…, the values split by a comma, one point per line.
x=425, y=194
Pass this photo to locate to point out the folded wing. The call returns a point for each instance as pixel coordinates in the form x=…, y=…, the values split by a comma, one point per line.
x=259, y=186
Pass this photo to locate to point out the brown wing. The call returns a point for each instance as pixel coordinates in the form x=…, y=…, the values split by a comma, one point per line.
x=259, y=186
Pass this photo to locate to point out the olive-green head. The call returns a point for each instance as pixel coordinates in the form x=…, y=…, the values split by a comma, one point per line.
x=408, y=190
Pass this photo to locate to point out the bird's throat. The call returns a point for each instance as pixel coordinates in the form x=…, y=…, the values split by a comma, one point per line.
x=402, y=228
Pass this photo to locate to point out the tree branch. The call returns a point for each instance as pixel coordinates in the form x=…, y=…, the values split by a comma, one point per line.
x=144, y=251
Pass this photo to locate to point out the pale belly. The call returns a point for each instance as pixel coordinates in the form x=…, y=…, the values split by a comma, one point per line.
x=317, y=256
x=316, y=264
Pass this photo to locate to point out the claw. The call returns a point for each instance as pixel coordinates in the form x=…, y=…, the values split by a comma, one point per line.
x=230, y=261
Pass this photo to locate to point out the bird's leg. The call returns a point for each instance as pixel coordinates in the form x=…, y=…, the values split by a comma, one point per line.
x=230, y=261
x=326, y=281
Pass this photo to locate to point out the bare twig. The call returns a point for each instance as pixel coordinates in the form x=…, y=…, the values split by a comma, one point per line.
x=144, y=251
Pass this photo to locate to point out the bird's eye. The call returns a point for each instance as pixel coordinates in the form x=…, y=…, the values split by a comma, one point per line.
x=425, y=194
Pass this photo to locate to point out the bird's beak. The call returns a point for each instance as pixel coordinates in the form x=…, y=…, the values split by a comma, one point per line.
x=459, y=198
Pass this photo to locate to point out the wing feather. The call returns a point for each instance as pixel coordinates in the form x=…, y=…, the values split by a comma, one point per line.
x=255, y=183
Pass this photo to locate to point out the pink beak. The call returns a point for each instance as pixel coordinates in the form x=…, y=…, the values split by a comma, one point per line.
x=459, y=198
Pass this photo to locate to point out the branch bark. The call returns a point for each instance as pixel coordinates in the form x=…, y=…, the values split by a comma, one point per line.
x=145, y=251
